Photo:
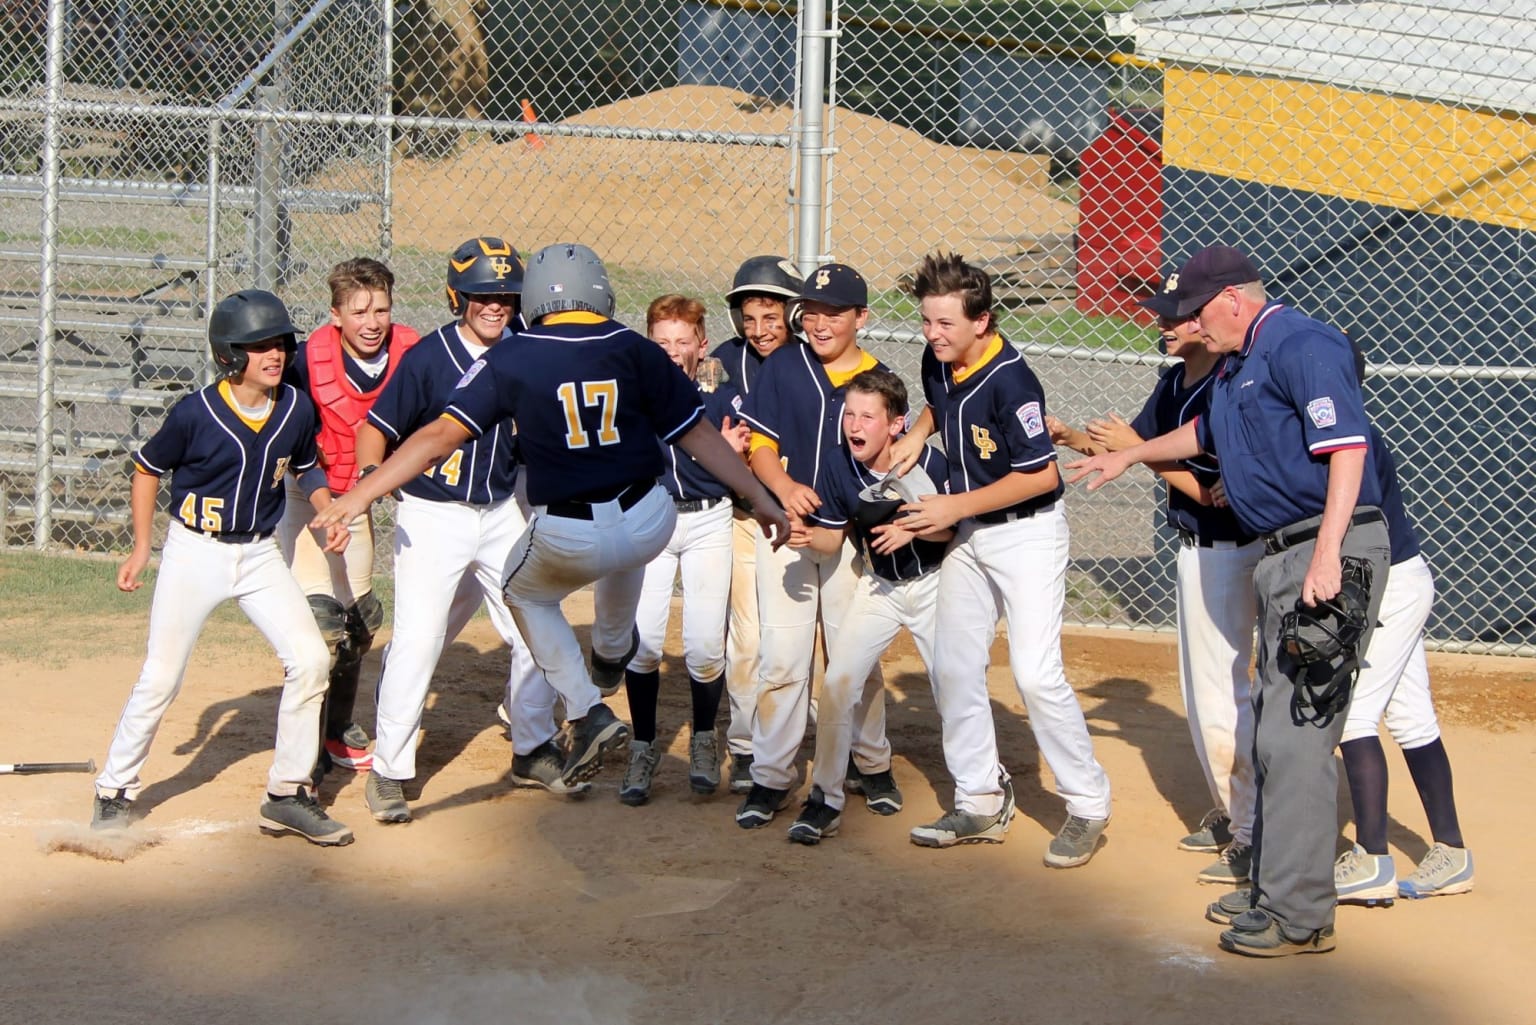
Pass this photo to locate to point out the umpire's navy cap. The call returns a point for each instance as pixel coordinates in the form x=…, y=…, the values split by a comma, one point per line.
x=1205, y=274
x=835, y=284
x=1165, y=301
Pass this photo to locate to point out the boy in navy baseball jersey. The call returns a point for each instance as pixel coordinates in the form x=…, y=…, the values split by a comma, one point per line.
x=796, y=411
x=1010, y=550
x=764, y=301
x=589, y=398
x=700, y=548
x=898, y=588
x=227, y=448
x=454, y=525
x=1213, y=587
x=342, y=366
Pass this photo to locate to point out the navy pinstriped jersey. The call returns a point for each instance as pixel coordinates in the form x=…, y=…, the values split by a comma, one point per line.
x=226, y=473
x=1170, y=406
x=796, y=404
x=741, y=362
x=992, y=421
x=682, y=476
x=589, y=399
x=841, y=497
x=481, y=471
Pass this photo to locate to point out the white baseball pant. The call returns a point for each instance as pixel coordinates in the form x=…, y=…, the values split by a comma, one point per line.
x=1394, y=676
x=197, y=574
x=555, y=556
x=794, y=585
x=1217, y=613
x=742, y=634
x=440, y=546
x=345, y=577
x=700, y=547
x=1018, y=568
x=880, y=608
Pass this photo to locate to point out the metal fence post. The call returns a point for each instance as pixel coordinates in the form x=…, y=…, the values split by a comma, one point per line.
x=387, y=134
x=813, y=83
x=42, y=529
x=266, y=230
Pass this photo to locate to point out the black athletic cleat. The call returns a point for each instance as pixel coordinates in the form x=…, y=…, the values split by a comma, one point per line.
x=817, y=820
x=761, y=805
x=608, y=675
x=542, y=767
x=112, y=813
x=591, y=735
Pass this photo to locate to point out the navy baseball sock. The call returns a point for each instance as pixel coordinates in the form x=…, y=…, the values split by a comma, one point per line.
x=641, y=689
x=1431, y=770
x=1366, y=766
x=706, y=702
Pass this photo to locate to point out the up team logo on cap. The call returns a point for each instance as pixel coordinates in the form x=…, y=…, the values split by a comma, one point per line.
x=1030, y=418
x=836, y=284
x=1322, y=413
x=502, y=266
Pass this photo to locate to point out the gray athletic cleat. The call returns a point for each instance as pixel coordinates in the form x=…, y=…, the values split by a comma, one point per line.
x=741, y=773
x=1255, y=934
x=1366, y=879
x=1229, y=906
x=704, y=762
x=1213, y=833
x=299, y=814
x=1232, y=867
x=113, y=813
x=591, y=735
x=541, y=768
x=1445, y=870
x=643, y=759
x=609, y=676
x=386, y=799
x=1075, y=843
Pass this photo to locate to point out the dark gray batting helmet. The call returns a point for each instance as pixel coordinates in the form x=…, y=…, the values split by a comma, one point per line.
x=246, y=318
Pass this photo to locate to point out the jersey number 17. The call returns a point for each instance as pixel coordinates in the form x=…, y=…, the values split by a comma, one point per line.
x=600, y=395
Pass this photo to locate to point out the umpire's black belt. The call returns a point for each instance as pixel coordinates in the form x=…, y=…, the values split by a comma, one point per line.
x=693, y=505
x=580, y=508
x=1009, y=515
x=232, y=538
x=1299, y=534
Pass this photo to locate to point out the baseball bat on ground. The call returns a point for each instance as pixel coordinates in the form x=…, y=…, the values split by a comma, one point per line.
x=33, y=768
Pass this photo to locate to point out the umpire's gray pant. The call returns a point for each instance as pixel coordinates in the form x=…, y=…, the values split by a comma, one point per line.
x=1297, y=821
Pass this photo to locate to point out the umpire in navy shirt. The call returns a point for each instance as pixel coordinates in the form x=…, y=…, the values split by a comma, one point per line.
x=1288, y=424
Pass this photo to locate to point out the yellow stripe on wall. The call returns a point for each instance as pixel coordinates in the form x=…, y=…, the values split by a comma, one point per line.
x=1410, y=154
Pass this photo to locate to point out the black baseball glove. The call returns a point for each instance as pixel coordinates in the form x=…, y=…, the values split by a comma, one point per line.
x=1323, y=641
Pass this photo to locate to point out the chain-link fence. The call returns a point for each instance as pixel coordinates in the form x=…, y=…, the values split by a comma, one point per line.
x=1375, y=159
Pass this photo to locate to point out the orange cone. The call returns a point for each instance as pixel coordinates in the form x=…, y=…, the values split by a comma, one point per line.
x=531, y=138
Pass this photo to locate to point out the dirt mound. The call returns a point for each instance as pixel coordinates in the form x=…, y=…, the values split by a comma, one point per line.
x=702, y=207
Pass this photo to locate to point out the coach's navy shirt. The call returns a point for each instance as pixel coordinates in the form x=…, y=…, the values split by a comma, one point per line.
x=1280, y=405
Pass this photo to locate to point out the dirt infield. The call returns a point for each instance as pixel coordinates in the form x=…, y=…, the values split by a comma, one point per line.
x=499, y=906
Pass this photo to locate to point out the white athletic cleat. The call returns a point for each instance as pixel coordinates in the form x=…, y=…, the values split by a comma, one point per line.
x=1366, y=879
x=1444, y=871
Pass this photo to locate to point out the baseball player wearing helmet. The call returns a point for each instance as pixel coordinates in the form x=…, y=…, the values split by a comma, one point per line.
x=227, y=448
x=1288, y=424
x=1213, y=590
x=699, y=549
x=898, y=588
x=1394, y=682
x=589, y=398
x=342, y=367
x=454, y=525
x=795, y=410
x=1009, y=555
x=764, y=303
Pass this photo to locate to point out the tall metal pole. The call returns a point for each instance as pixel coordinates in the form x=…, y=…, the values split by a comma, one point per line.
x=813, y=153
x=387, y=137
x=42, y=493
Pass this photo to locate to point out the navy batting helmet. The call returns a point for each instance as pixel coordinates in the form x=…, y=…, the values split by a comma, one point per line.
x=483, y=266
x=246, y=318
x=567, y=276
x=769, y=277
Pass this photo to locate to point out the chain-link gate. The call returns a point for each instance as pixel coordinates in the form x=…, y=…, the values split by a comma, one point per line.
x=1375, y=159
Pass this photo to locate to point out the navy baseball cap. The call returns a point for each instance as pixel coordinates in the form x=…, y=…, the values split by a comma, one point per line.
x=1205, y=274
x=1165, y=301
x=835, y=284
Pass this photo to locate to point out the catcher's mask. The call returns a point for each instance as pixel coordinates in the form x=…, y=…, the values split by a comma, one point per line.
x=1323, y=642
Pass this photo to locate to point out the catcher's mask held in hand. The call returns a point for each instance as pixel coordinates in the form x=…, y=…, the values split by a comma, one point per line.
x=1323, y=640
x=879, y=502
